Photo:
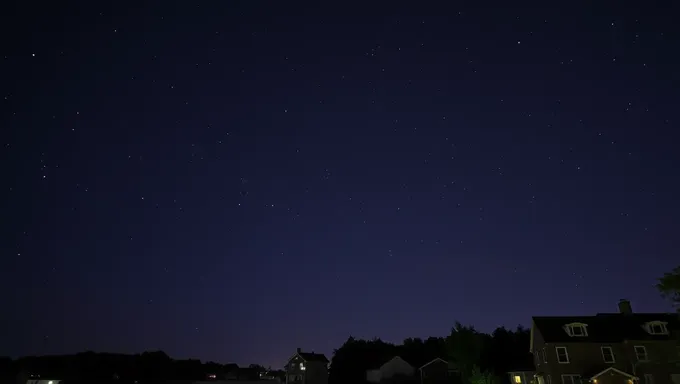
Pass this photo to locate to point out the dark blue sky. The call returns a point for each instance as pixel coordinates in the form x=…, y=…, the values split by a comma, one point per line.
x=232, y=180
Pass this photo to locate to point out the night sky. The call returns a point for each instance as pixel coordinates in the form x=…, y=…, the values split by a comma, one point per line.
x=231, y=180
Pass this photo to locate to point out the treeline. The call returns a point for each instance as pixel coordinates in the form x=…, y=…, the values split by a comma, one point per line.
x=147, y=367
x=479, y=357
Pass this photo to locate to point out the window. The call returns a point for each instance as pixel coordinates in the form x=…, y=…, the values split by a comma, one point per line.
x=562, y=355
x=571, y=379
x=608, y=355
x=656, y=328
x=545, y=356
x=641, y=353
x=302, y=367
x=649, y=379
x=548, y=379
x=517, y=379
x=576, y=329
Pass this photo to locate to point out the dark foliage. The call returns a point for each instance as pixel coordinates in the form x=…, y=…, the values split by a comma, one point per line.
x=86, y=367
x=496, y=353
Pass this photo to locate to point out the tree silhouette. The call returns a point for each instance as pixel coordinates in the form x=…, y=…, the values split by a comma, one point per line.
x=465, y=346
x=669, y=286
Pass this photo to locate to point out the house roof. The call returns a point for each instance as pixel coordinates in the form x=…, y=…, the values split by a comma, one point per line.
x=434, y=361
x=379, y=362
x=612, y=369
x=604, y=327
x=311, y=356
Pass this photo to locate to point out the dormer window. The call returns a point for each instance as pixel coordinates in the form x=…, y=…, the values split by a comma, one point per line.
x=656, y=328
x=576, y=329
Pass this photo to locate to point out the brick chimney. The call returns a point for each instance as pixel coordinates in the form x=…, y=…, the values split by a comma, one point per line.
x=299, y=350
x=624, y=307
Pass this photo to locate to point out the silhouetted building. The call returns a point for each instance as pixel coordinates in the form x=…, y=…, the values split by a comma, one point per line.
x=307, y=368
x=437, y=371
x=608, y=348
x=386, y=370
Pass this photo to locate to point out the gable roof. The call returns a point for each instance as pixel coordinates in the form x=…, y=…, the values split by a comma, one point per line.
x=612, y=369
x=379, y=363
x=437, y=359
x=604, y=327
x=310, y=356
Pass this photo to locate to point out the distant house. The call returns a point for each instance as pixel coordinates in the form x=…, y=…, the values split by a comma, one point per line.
x=307, y=368
x=394, y=367
x=607, y=348
x=437, y=371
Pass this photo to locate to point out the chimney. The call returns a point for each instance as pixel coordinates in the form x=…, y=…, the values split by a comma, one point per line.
x=624, y=307
x=299, y=350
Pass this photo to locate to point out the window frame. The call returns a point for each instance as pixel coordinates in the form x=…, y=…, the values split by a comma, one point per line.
x=637, y=355
x=571, y=376
x=583, y=329
x=611, y=351
x=566, y=354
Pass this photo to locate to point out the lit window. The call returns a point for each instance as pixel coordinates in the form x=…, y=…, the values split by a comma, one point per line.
x=518, y=379
x=641, y=353
x=302, y=367
x=608, y=355
x=562, y=355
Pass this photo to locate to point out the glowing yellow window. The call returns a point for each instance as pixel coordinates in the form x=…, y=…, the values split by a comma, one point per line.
x=518, y=379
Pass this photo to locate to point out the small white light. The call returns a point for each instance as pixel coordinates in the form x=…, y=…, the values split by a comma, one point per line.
x=49, y=382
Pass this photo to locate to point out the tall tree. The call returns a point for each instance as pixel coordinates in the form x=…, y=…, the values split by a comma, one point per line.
x=669, y=286
x=465, y=346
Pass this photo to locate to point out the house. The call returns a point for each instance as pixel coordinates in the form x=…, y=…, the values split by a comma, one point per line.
x=307, y=368
x=437, y=370
x=607, y=348
x=394, y=367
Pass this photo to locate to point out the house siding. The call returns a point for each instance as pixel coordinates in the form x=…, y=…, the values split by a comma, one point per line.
x=585, y=358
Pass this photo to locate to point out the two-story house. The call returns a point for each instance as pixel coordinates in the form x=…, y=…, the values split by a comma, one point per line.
x=608, y=348
x=307, y=368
